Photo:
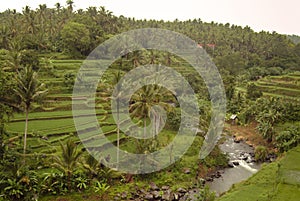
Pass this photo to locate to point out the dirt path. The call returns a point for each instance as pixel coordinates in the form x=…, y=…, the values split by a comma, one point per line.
x=247, y=133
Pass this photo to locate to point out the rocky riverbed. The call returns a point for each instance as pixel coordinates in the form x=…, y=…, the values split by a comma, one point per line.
x=241, y=165
x=163, y=193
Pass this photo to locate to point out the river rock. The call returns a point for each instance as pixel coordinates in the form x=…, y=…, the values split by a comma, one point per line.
x=148, y=196
x=143, y=191
x=271, y=157
x=165, y=188
x=238, y=139
x=230, y=164
x=236, y=163
x=218, y=174
x=156, y=194
x=181, y=190
x=153, y=186
x=167, y=195
x=176, y=196
x=123, y=195
x=244, y=156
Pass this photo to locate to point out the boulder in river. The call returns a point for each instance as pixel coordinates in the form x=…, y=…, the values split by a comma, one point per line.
x=230, y=164
x=236, y=163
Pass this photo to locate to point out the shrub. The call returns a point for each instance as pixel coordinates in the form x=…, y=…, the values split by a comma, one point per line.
x=253, y=92
x=288, y=139
x=261, y=153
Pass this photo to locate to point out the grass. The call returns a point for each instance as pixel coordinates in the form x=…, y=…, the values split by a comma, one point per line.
x=272, y=183
x=52, y=115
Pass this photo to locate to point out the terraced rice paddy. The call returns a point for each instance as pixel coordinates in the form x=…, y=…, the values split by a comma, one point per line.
x=52, y=122
x=285, y=86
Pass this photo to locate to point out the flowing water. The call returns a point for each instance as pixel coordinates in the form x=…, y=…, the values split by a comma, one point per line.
x=237, y=152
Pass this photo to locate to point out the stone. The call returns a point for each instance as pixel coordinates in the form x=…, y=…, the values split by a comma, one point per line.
x=218, y=174
x=230, y=164
x=181, y=190
x=143, y=191
x=168, y=196
x=184, y=198
x=148, y=196
x=123, y=195
x=45, y=138
x=156, y=194
x=153, y=186
x=186, y=170
x=238, y=139
x=236, y=163
x=165, y=188
x=176, y=196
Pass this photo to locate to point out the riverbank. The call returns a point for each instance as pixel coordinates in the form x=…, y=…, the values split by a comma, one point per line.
x=277, y=181
x=248, y=134
x=241, y=166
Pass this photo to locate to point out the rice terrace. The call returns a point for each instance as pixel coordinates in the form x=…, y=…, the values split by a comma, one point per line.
x=43, y=155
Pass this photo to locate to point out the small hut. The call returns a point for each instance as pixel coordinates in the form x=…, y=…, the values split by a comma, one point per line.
x=234, y=119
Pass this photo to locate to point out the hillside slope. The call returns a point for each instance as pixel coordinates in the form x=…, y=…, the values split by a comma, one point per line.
x=278, y=181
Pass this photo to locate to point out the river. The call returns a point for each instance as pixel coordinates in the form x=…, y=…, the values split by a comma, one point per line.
x=242, y=155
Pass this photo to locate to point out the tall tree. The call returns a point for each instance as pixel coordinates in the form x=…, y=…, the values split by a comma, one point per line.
x=143, y=101
x=29, y=90
x=117, y=78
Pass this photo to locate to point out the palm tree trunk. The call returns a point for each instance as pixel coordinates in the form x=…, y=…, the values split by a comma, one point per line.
x=69, y=181
x=118, y=134
x=25, y=133
x=145, y=124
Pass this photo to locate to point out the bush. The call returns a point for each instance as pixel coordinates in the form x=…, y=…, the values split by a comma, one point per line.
x=173, y=120
x=253, y=92
x=261, y=153
x=30, y=58
x=274, y=71
x=69, y=80
x=288, y=139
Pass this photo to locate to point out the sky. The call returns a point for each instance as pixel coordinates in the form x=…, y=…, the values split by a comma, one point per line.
x=282, y=16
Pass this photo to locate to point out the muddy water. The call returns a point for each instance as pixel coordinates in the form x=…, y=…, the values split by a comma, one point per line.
x=237, y=152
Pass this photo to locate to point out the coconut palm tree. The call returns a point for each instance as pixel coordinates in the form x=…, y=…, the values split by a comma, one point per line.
x=144, y=99
x=70, y=4
x=29, y=90
x=117, y=78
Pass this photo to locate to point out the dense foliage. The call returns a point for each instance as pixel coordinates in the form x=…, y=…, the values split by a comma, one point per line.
x=42, y=42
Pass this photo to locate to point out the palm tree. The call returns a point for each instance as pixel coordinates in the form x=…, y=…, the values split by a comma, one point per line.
x=29, y=90
x=92, y=166
x=117, y=78
x=143, y=101
x=70, y=5
x=147, y=97
x=13, y=60
x=58, y=7
x=68, y=160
